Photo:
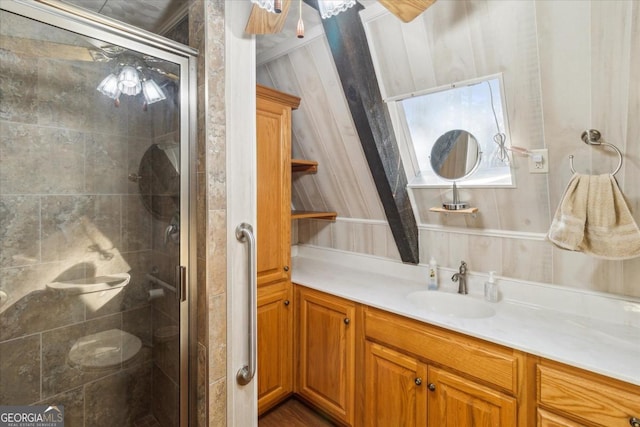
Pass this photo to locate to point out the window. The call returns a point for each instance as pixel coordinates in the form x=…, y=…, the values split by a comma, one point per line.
x=474, y=106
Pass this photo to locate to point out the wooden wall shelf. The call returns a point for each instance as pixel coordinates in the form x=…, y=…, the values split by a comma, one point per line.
x=331, y=216
x=309, y=166
x=459, y=211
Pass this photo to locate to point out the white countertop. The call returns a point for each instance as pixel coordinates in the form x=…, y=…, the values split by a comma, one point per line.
x=594, y=331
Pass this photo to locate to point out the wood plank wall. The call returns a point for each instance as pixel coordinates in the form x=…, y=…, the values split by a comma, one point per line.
x=567, y=66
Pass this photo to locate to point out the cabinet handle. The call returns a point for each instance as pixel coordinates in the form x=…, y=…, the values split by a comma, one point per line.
x=286, y=302
x=286, y=268
x=418, y=381
x=432, y=387
x=347, y=321
x=634, y=422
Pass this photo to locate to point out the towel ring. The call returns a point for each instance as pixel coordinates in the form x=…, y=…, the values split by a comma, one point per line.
x=592, y=137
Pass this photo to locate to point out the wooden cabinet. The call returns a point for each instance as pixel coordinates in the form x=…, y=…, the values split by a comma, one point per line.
x=410, y=373
x=275, y=346
x=326, y=353
x=273, y=233
x=587, y=398
x=403, y=389
x=490, y=363
x=455, y=401
x=423, y=375
x=395, y=388
x=273, y=237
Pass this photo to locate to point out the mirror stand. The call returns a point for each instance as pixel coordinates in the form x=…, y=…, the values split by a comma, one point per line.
x=456, y=204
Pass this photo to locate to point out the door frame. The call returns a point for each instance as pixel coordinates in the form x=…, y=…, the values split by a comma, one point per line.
x=90, y=24
x=240, y=101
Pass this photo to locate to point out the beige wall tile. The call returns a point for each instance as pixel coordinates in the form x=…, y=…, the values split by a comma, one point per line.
x=218, y=403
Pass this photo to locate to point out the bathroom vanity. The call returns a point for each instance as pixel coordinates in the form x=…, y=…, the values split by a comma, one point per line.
x=387, y=356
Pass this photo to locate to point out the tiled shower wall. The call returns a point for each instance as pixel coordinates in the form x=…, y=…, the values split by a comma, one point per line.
x=207, y=35
x=68, y=211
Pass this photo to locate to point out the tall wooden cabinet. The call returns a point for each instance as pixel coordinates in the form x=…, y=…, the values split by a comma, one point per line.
x=273, y=236
x=273, y=122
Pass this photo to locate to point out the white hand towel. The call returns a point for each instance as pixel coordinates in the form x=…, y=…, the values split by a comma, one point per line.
x=593, y=217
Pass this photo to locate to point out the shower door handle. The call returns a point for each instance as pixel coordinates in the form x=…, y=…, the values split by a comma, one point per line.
x=244, y=232
x=181, y=283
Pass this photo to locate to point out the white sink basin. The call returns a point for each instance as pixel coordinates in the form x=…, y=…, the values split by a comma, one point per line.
x=453, y=305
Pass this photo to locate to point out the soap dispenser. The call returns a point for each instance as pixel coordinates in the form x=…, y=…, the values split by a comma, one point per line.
x=491, y=288
x=432, y=280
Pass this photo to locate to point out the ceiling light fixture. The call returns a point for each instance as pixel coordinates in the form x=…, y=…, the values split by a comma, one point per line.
x=300, y=26
x=329, y=8
x=273, y=6
x=131, y=80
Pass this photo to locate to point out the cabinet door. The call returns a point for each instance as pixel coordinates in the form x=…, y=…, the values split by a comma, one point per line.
x=395, y=388
x=275, y=347
x=459, y=402
x=273, y=233
x=327, y=353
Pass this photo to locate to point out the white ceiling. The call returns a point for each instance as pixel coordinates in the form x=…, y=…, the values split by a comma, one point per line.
x=151, y=15
x=157, y=16
x=310, y=17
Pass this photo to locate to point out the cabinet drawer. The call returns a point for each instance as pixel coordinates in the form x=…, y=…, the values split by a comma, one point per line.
x=548, y=419
x=489, y=362
x=583, y=395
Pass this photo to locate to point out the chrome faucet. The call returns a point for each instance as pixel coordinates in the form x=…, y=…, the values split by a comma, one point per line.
x=461, y=278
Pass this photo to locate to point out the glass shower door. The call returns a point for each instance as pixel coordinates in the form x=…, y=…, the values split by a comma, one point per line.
x=93, y=221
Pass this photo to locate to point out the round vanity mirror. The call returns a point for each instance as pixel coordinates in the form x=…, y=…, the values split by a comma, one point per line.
x=159, y=180
x=455, y=155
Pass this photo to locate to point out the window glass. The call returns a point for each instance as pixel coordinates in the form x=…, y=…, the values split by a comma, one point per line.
x=476, y=107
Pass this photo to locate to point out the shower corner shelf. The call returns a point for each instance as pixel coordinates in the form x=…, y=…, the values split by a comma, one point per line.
x=90, y=284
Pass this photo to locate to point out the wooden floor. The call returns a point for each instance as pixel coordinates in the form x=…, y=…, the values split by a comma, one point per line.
x=293, y=413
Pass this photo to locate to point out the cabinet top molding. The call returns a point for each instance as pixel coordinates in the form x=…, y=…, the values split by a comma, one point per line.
x=271, y=94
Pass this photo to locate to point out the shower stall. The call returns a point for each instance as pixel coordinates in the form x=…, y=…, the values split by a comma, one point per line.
x=96, y=224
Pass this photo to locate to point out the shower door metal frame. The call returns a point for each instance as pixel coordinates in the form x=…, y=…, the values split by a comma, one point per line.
x=90, y=24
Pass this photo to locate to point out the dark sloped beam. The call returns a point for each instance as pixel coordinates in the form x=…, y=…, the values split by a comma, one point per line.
x=348, y=43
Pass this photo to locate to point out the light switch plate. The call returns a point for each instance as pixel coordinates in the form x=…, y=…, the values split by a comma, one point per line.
x=541, y=166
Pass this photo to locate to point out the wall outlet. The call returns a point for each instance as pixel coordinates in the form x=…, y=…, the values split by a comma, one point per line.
x=539, y=161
